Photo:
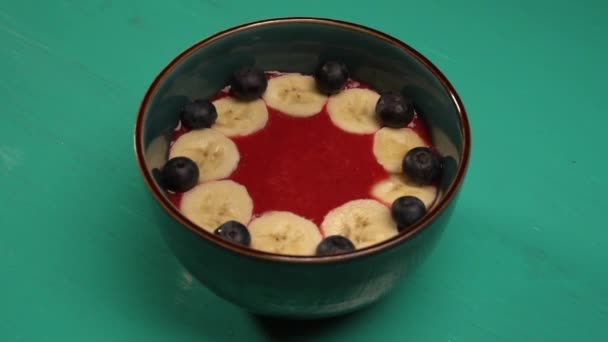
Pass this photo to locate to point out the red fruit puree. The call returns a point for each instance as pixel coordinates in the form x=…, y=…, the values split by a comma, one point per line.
x=307, y=166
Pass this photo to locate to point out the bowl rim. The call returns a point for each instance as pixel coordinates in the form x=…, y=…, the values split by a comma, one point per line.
x=421, y=225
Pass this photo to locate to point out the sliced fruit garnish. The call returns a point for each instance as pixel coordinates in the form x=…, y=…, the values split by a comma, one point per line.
x=215, y=154
x=239, y=118
x=212, y=204
x=396, y=186
x=353, y=110
x=365, y=222
x=392, y=144
x=283, y=232
x=295, y=95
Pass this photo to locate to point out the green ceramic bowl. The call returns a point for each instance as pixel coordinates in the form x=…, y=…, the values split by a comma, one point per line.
x=292, y=286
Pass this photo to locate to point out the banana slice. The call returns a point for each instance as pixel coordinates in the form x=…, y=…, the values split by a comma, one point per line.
x=156, y=152
x=283, y=232
x=365, y=222
x=215, y=155
x=396, y=186
x=392, y=144
x=354, y=110
x=238, y=118
x=295, y=95
x=211, y=204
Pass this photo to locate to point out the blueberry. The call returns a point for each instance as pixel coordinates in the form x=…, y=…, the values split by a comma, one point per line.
x=158, y=177
x=335, y=244
x=180, y=174
x=234, y=231
x=198, y=114
x=422, y=165
x=331, y=77
x=394, y=110
x=248, y=83
x=406, y=211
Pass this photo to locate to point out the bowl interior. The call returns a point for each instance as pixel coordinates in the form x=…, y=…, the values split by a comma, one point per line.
x=298, y=45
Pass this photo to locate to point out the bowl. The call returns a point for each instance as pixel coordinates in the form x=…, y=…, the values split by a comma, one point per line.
x=302, y=286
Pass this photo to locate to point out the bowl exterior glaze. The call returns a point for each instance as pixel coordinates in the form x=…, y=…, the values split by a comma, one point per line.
x=300, y=290
x=302, y=287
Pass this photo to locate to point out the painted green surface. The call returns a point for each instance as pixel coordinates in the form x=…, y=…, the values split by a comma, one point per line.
x=80, y=254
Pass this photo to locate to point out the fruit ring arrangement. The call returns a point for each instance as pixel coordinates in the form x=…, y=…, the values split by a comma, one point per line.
x=299, y=164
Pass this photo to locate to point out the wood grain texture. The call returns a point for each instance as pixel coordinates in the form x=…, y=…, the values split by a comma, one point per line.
x=80, y=254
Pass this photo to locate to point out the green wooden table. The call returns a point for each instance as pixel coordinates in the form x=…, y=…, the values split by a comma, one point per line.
x=81, y=258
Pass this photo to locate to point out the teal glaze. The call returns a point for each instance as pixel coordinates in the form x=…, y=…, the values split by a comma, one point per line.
x=290, y=288
x=81, y=257
x=287, y=290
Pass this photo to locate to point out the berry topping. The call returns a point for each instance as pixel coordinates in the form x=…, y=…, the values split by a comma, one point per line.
x=331, y=77
x=394, y=110
x=234, y=231
x=198, y=114
x=180, y=174
x=248, y=83
x=406, y=211
x=335, y=244
x=422, y=165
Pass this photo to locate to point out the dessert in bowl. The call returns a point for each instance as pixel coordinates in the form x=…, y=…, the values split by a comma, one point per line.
x=306, y=165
